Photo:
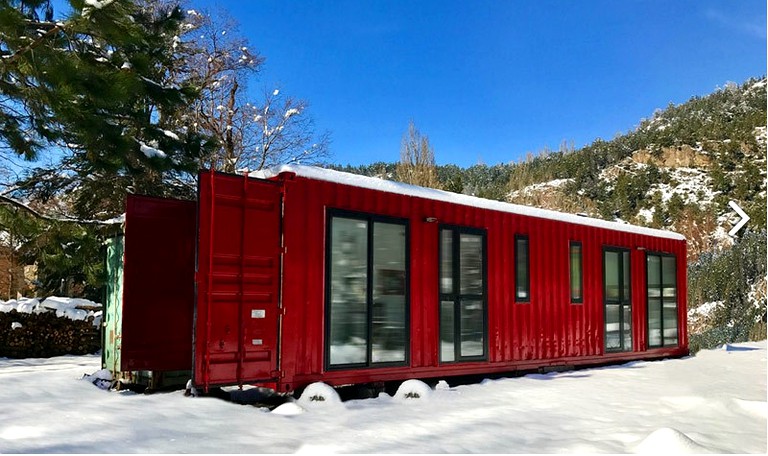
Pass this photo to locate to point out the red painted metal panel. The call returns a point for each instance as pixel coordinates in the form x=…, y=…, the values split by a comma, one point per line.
x=238, y=280
x=158, y=286
x=549, y=330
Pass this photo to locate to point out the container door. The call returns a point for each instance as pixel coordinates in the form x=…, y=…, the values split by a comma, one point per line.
x=158, y=285
x=238, y=280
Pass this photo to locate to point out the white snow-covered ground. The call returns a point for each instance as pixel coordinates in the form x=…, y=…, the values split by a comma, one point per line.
x=713, y=402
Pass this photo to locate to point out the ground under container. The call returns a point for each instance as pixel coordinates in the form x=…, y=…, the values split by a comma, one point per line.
x=299, y=274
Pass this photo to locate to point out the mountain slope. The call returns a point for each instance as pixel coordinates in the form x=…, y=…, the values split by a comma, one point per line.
x=677, y=170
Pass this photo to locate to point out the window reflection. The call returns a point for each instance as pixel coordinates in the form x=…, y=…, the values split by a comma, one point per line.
x=522, y=284
x=662, y=300
x=349, y=288
x=462, y=294
x=576, y=279
x=368, y=302
x=388, y=293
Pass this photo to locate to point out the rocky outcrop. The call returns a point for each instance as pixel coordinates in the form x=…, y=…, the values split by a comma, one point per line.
x=673, y=157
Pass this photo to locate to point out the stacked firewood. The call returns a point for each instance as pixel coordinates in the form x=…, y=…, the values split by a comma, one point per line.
x=41, y=335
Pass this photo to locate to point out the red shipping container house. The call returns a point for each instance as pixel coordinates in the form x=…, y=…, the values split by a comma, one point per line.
x=306, y=274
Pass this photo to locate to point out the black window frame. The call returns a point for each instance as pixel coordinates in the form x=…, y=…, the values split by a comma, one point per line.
x=580, y=299
x=622, y=301
x=661, y=296
x=370, y=218
x=456, y=296
x=527, y=298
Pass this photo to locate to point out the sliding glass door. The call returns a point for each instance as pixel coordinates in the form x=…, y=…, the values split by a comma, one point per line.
x=662, y=300
x=617, y=299
x=463, y=328
x=367, y=291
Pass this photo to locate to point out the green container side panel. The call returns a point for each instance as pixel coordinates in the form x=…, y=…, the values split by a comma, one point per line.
x=110, y=353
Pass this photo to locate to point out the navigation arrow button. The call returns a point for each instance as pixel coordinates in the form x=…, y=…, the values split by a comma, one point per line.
x=742, y=222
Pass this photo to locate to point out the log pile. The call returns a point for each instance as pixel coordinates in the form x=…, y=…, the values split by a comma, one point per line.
x=44, y=335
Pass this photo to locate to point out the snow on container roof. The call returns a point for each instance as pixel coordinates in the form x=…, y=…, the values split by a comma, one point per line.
x=374, y=183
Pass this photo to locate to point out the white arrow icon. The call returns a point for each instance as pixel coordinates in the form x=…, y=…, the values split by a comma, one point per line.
x=742, y=222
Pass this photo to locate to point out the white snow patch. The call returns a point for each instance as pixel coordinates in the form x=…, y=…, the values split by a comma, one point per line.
x=150, y=151
x=694, y=186
x=704, y=310
x=64, y=307
x=288, y=409
x=98, y=4
x=758, y=408
x=319, y=395
x=290, y=113
x=413, y=389
x=646, y=214
x=171, y=134
x=542, y=186
x=668, y=440
x=614, y=410
x=311, y=172
x=21, y=432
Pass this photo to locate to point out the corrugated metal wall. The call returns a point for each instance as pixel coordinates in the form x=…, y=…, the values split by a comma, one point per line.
x=549, y=327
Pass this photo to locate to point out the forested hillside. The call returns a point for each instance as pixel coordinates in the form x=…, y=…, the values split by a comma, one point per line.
x=676, y=170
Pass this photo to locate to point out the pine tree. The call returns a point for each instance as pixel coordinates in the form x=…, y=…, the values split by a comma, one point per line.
x=91, y=89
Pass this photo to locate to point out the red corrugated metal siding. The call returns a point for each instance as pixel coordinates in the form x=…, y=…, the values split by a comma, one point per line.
x=549, y=327
x=238, y=280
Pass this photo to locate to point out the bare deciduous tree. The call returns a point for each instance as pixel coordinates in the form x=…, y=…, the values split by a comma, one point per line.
x=251, y=134
x=417, y=160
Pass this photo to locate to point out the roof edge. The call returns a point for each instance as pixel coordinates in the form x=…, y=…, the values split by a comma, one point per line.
x=374, y=183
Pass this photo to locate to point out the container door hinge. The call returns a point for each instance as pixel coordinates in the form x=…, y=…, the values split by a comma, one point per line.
x=277, y=374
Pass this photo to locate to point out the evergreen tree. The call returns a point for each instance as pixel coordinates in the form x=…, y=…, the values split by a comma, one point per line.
x=90, y=88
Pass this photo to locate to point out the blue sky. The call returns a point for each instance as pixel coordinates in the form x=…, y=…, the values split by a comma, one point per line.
x=489, y=81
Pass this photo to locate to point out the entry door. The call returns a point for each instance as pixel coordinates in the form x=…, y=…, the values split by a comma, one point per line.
x=617, y=299
x=238, y=280
x=463, y=302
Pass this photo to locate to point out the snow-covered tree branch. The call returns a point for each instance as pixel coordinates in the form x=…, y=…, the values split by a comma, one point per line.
x=251, y=133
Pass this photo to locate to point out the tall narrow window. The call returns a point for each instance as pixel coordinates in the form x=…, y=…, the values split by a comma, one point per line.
x=367, y=298
x=662, y=300
x=522, y=278
x=617, y=299
x=577, y=281
x=463, y=333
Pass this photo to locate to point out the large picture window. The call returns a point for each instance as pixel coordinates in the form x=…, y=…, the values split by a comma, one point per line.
x=463, y=333
x=367, y=291
x=662, y=300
